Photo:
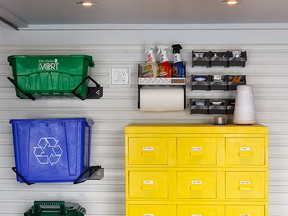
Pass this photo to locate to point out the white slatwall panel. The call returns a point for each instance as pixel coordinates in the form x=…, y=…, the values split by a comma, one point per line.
x=266, y=70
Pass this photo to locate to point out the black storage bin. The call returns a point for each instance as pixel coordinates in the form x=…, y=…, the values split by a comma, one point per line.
x=219, y=82
x=200, y=82
x=199, y=106
x=217, y=106
x=235, y=80
x=219, y=59
x=201, y=59
x=237, y=58
x=230, y=106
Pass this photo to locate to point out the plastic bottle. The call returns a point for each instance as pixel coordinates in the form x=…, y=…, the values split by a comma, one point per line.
x=178, y=67
x=150, y=68
x=165, y=69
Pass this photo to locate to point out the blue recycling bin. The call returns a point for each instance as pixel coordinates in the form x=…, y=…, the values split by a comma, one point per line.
x=51, y=150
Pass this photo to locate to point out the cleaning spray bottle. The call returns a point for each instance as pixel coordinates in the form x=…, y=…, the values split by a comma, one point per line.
x=178, y=67
x=165, y=69
x=150, y=68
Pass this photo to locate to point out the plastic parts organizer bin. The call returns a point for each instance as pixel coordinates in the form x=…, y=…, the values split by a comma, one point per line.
x=50, y=75
x=55, y=208
x=51, y=150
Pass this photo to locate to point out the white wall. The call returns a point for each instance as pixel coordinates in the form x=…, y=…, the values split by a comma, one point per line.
x=266, y=70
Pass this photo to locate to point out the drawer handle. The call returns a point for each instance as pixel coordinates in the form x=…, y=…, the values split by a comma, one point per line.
x=196, y=151
x=148, y=151
x=244, y=215
x=245, y=186
x=245, y=152
x=145, y=214
x=148, y=154
x=148, y=185
x=196, y=214
x=196, y=185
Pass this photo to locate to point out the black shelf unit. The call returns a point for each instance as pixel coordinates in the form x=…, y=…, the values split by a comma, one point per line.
x=225, y=59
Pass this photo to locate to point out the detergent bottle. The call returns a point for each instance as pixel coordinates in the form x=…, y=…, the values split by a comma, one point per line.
x=165, y=69
x=150, y=68
x=178, y=67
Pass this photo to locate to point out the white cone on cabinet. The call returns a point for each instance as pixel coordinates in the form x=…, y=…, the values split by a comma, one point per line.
x=244, y=112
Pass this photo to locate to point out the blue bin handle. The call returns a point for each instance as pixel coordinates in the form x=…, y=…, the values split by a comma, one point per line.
x=22, y=177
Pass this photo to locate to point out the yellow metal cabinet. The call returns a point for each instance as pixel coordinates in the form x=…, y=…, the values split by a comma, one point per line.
x=196, y=170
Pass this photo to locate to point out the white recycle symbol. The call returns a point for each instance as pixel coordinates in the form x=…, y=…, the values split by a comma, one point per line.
x=48, y=151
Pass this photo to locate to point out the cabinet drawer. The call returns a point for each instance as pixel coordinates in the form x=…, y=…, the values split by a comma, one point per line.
x=147, y=151
x=148, y=210
x=245, y=185
x=196, y=210
x=196, y=185
x=245, y=210
x=148, y=184
x=245, y=151
x=196, y=151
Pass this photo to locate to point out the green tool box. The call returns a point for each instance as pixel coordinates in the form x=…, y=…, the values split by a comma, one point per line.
x=50, y=75
x=55, y=208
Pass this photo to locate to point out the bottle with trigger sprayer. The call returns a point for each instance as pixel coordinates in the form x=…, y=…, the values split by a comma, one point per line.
x=165, y=69
x=178, y=68
x=150, y=68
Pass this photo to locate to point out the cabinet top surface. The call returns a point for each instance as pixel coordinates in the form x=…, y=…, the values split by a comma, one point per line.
x=195, y=128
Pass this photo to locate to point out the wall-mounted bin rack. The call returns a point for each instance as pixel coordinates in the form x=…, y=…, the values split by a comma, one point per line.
x=217, y=82
x=212, y=106
x=46, y=76
x=161, y=82
x=226, y=59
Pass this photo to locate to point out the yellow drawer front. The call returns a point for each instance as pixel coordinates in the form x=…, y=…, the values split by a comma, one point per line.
x=148, y=210
x=245, y=211
x=245, y=151
x=147, y=151
x=196, y=151
x=196, y=210
x=245, y=185
x=196, y=185
x=149, y=185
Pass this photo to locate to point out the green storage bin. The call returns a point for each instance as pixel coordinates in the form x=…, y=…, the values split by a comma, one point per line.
x=50, y=75
x=55, y=208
